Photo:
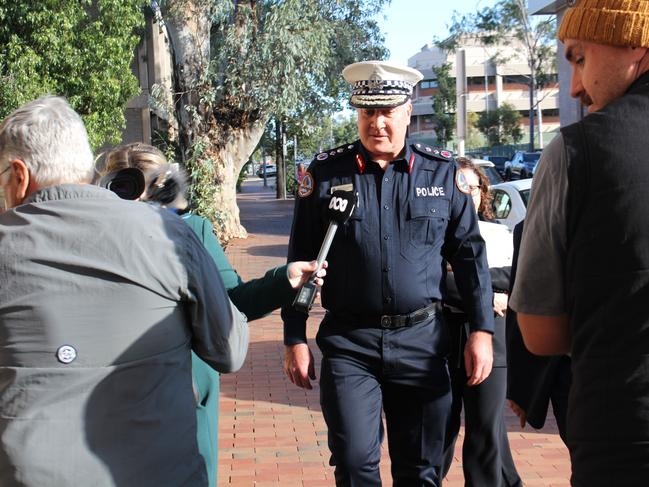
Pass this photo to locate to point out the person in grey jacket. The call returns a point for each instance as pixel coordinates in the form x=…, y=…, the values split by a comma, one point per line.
x=101, y=301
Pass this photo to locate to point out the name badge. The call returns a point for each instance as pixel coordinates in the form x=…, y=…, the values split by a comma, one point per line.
x=341, y=187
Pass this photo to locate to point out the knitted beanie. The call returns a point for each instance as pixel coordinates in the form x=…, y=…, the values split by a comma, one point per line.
x=612, y=22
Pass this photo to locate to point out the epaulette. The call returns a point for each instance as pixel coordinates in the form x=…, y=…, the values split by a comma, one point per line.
x=336, y=152
x=432, y=152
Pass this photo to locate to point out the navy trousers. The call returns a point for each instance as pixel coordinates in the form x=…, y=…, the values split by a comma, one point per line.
x=402, y=372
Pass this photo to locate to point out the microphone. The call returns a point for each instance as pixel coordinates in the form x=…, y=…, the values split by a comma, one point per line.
x=341, y=207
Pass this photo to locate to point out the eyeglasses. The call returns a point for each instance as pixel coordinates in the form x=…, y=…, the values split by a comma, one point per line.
x=5, y=170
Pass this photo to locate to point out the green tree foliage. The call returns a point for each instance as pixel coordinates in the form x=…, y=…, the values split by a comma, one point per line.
x=325, y=131
x=444, y=104
x=78, y=49
x=500, y=126
x=242, y=61
x=495, y=26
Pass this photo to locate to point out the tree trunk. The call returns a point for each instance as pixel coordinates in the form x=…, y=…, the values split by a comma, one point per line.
x=280, y=159
x=189, y=25
x=229, y=150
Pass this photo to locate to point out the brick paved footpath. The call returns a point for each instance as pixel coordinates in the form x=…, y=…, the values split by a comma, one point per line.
x=271, y=433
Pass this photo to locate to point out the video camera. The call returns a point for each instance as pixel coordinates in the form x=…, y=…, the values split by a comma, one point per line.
x=167, y=185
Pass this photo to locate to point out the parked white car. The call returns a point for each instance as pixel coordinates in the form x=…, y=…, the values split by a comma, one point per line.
x=489, y=168
x=510, y=201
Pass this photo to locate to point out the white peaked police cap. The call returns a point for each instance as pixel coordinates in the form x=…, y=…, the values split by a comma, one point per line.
x=379, y=84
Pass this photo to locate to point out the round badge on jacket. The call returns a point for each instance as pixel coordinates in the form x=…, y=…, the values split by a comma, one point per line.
x=461, y=182
x=306, y=185
x=66, y=354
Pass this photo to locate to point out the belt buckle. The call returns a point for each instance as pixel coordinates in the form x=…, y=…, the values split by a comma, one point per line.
x=386, y=321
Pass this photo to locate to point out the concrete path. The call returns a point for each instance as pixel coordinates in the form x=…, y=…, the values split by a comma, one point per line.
x=271, y=433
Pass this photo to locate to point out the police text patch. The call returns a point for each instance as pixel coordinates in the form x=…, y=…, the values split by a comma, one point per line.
x=430, y=191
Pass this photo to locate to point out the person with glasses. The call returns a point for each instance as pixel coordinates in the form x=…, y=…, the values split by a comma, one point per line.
x=101, y=303
x=486, y=456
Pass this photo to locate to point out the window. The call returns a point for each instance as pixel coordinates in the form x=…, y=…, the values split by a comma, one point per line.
x=502, y=204
x=428, y=84
x=551, y=112
x=518, y=80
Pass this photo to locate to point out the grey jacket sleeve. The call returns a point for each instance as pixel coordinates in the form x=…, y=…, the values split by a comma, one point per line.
x=219, y=329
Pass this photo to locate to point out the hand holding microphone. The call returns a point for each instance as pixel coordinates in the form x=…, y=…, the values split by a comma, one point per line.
x=341, y=207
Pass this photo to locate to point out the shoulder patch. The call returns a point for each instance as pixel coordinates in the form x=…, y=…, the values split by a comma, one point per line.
x=306, y=185
x=432, y=152
x=461, y=182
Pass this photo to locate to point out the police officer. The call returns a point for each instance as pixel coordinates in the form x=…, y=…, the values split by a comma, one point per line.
x=582, y=285
x=383, y=341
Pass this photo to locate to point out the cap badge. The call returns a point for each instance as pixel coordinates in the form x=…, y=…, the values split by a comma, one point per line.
x=322, y=156
x=375, y=82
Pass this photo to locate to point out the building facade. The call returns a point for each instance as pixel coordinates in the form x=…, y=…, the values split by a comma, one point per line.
x=489, y=84
x=152, y=67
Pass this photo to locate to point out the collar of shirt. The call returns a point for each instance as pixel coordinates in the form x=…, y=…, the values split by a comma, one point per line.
x=405, y=157
x=69, y=191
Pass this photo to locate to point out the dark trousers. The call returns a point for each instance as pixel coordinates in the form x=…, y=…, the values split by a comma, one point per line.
x=486, y=456
x=403, y=372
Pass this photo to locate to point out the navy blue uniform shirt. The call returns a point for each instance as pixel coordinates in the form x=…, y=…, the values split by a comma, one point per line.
x=390, y=258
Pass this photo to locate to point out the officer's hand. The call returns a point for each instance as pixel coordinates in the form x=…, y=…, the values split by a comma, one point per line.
x=500, y=304
x=518, y=411
x=478, y=357
x=298, y=365
x=300, y=271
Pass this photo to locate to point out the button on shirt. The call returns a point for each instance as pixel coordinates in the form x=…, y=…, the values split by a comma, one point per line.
x=390, y=257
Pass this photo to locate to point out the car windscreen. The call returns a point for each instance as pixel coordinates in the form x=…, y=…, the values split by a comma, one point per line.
x=525, y=195
x=493, y=175
x=531, y=157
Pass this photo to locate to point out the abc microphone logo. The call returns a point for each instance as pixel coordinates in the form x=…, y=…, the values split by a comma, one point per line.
x=341, y=205
x=338, y=204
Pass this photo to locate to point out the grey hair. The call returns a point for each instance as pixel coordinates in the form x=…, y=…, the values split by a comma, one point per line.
x=50, y=138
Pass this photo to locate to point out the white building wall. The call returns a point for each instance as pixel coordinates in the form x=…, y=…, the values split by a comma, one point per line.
x=479, y=63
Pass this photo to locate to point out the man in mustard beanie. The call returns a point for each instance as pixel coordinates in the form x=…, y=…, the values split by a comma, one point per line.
x=583, y=282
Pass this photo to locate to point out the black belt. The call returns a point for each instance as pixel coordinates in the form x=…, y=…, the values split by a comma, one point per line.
x=392, y=322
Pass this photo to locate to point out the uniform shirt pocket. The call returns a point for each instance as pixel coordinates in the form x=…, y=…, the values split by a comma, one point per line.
x=425, y=225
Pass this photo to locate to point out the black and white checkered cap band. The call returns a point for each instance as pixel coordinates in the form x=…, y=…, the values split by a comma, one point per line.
x=383, y=87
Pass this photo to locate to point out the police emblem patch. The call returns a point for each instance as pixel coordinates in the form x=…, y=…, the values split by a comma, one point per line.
x=322, y=156
x=461, y=182
x=306, y=185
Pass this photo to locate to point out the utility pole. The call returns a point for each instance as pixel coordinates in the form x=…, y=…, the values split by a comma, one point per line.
x=460, y=93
